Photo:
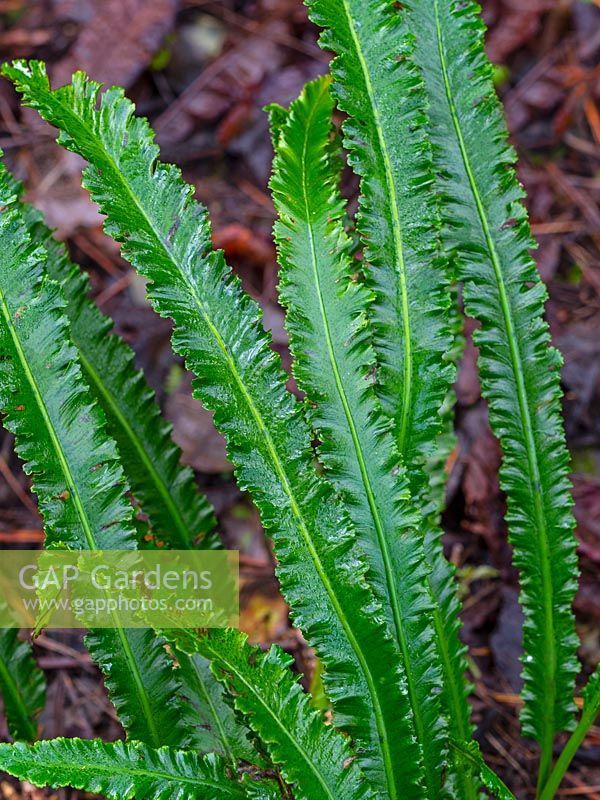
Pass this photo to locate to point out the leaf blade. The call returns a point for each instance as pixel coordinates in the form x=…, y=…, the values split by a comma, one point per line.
x=333, y=363
x=121, y=770
x=489, y=232
x=60, y=431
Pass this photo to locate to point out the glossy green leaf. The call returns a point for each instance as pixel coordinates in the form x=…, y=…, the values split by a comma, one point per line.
x=486, y=225
x=179, y=515
x=122, y=771
x=377, y=84
x=334, y=364
x=61, y=437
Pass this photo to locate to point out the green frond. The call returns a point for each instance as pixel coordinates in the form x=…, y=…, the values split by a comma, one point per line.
x=122, y=771
x=59, y=430
x=22, y=685
x=166, y=236
x=334, y=363
x=313, y=758
x=378, y=86
x=218, y=731
x=487, y=227
x=179, y=515
x=60, y=435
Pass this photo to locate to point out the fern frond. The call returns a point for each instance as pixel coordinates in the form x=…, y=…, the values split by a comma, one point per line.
x=314, y=759
x=166, y=236
x=179, y=515
x=60, y=432
x=330, y=341
x=218, y=731
x=377, y=84
x=122, y=771
x=486, y=224
x=22, y=685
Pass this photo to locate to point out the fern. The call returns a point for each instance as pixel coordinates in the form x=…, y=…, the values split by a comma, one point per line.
x=126, y=770
x=333, y=364
x=22, y=685
x=178, y=514
x=315, y=760
x=60, y=437
x=73, y=466
x=377, y=84
x=355, y=524
x=486, y=224
x=218, y=331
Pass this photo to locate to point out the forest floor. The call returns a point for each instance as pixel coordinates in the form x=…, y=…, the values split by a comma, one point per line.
x=202, y=70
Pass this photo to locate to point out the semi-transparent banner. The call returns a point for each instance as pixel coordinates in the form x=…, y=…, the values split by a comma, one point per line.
x=119, y=589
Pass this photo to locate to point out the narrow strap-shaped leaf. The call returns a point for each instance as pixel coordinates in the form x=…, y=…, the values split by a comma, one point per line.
x=486, y=223
x=316, y=760
x=59, y=430
x=330, y=341
x=60, y=433
x=219, y=731
x=124, y=770
x=591, y=709
x=179, y=515
x=217, y=328
x=376, y=83
x=22, y=686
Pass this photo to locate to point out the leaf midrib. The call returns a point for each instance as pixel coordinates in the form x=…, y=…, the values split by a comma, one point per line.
x=403, y=431
x=274, y=457
x=78, y=503
x=381, y=537
x=517, y=369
